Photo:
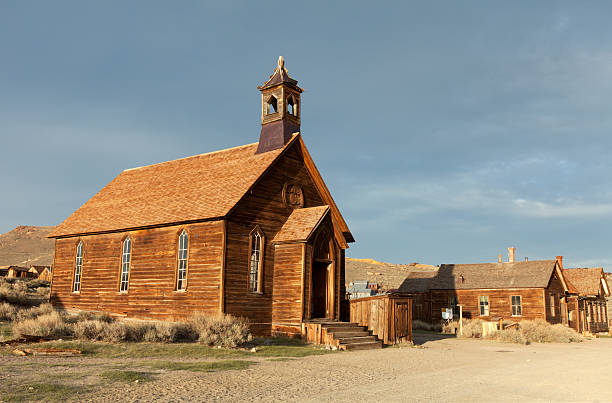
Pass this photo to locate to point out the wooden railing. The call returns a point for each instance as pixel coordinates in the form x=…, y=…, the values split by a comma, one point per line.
x=388, y=316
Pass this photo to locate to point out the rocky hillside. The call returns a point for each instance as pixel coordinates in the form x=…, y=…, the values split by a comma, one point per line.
x=388, y=274
x=26, y=246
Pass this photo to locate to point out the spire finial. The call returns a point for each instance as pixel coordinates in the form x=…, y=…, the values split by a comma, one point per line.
x=281, y=62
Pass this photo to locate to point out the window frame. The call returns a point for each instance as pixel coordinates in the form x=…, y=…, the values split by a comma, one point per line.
x=260, y=268
x=454, y=306
x=178, y=262
x=129, y=265
x=553, y=312
x=520, y=305
x=270, y=104
x=480, y=305
x=81, y=245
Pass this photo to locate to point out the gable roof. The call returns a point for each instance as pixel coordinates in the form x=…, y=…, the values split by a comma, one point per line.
x=587, y=281
x=527, y=274
x=301, y=224
x=418, y=281
x=194, y=188
x=155, y=195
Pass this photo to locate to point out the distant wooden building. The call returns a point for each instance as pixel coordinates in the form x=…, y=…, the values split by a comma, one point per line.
x=41, y=272
x=250, y=231
x=513, y=290
x=15, y=272
x=587, y=300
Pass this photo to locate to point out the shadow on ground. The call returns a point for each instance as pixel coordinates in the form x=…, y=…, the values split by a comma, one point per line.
x=420, y=337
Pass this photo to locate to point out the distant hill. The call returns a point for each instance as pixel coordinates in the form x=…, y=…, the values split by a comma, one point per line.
x=26, y=246
x=388, y=274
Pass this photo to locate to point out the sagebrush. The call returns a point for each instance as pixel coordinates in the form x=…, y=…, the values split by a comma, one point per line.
x=220, y=330
x=216, y=330
x=526, y=331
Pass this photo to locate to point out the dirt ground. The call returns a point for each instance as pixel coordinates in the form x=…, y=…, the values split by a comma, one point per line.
x=439, y=369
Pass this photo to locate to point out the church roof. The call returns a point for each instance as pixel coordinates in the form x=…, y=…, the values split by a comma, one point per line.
x=201, y=187
x=301, y=224
x=194, y=188
x=279, y=76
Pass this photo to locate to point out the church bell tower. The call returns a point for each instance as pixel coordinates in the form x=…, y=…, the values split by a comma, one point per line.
x=280, y=109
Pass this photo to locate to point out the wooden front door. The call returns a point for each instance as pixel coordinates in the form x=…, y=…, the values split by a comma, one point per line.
x=323, y=276
x=319, y=289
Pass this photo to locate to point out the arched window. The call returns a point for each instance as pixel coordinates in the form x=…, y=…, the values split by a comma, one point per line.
x=78, y=267
x=256, y=243
x=126, y=258
x=272, y=105
x=291, y=107
x=183, y=248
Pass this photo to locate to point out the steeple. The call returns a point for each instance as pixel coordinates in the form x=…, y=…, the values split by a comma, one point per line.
x=280, y=109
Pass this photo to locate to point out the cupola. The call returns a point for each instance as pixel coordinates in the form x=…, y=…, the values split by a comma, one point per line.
x=280, y=109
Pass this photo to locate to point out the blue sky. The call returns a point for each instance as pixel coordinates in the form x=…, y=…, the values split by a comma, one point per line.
x=447, y=131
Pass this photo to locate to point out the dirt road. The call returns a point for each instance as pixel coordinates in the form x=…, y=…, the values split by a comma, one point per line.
x=442, y=370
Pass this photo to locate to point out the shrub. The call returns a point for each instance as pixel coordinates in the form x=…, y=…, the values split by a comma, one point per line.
x=96, y=330
x=430, y=327
x=169, y=333
x=511, y=335
x=103, y=330
x=36, y=283
x=15, y=292
x=46, y=325
x=101, y=316
x=7, y=312
x=540, y=331
x=33, y=312
x=220, y=330
x=471, y=328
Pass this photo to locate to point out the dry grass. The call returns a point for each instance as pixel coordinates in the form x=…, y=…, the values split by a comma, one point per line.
x=110, y=331
x=540, y=331
x=537, y=331
x=23, y=292
x=46, y=325
x=220, y=330
x=224, y=331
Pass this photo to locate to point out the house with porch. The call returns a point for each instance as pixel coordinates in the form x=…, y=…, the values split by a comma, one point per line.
x=587, y=309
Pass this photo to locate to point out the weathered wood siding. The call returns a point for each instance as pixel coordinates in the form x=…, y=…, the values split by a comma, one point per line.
x=556, y=290
x=263, y=206
x=287, y=293
x=389, y=317
x=500, y=305
x=151, y=292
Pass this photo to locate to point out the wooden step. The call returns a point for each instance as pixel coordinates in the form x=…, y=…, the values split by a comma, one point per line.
x=369, y=345
x=355, y=339
x=338, y=329
x=340, y=324
x=349, y=333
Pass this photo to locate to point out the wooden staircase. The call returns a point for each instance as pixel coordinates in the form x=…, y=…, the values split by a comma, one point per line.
x=342, y=335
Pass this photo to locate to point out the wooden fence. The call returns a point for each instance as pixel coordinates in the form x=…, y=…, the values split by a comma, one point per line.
x=388, y=316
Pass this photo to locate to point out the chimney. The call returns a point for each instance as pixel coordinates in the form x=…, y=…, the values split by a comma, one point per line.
x=511, y=251
x=560, y=261
x=526, y=259
x=500, y=258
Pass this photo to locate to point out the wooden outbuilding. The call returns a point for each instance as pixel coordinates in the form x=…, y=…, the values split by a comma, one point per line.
x=41, y=272
x=250, y=231
x=14, y=271
x=587, y=308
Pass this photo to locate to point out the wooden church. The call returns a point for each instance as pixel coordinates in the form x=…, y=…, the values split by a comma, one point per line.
x=250, y=231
